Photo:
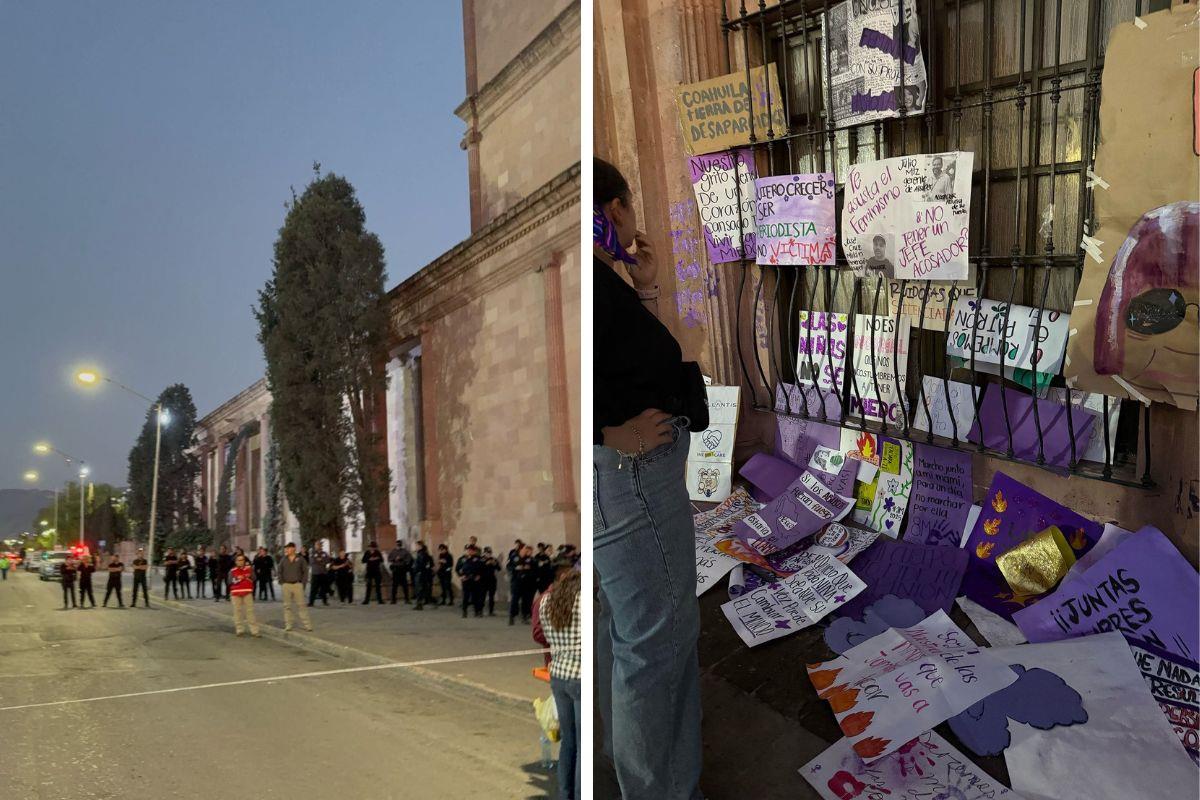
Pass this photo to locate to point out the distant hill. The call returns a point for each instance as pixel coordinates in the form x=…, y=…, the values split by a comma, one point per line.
x=18, y=507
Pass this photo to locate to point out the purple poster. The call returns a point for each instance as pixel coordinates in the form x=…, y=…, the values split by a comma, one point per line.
x=794, y=217
x=797, y=439
x=1052, y=419
x=808, y=505
x=1143, y=588
x=1011, y=513
x=723, y=186
x=927, y=574
x=941, y=496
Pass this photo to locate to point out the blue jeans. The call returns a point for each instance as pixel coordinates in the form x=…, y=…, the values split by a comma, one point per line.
x=566, y=700
x=644, y=551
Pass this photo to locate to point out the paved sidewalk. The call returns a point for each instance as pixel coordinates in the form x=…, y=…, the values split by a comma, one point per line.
x=373, y=634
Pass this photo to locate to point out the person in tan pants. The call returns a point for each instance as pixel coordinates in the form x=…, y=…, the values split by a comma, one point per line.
x=241, y=595
x=293, y=574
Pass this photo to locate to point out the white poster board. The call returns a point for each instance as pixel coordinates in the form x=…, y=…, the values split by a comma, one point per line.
x=1014, y=336
x=710, y=457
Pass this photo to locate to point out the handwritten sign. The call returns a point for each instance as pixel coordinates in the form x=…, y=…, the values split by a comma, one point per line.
x=1011, y=339
x=1136, y=589
x=909, y=216
x=821, y=355
x=820, y=585
x=795, y=219
x=927, y=767
x=941, y=496
x=947, y=401
x=928, y=303
x=877, y=366
x=1175, y=685
x=711, y=564
x=723, y=185
x=892, y=486
x=900, y=684
x=865, y=48
x=1092, y=402
x=716, y=114
x=814, y=500
x=721, y=519
x=928, y=575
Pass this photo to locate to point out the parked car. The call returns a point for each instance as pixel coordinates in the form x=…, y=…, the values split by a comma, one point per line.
x=51, y=566
x=33, y=561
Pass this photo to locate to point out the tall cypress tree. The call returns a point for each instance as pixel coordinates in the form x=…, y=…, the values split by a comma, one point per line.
x=178, y=468
x=322, y=325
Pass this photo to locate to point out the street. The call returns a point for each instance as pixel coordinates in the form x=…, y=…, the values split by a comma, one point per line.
x=209, y=707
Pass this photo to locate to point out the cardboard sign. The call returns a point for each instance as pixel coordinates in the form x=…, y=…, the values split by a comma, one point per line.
x=908, y=217
x=935, y=296
x=813, y=501
x=1137, y=590
x=821, y=354
x=820, y=585
x=723, y=185
x=873, y=61
x=794, y=215
x=1013, y=337
x=1093, y=403
x=927, y=767
x=839, y=541
x=899, y=684
x=928, y=575
x=1174, y=684
x=716, y=114
x=941, y=496
x=877, y=367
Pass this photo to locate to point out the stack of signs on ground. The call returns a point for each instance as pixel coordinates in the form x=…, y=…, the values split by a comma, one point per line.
x=710, y=460
x=908, y=217
x=820, y=585
x=724, y=185
x=1143, y=588
x=814, y=500
x=1013, y=337
x=794, y=218
x=1012, y=512
x=941, y=496
x=839, y=541
x=714, y=528
x=721, y=112
x=880, y=369
x=895, y=686
x=874, y=62
x=927, y=767
x=927, y=574
x=1126, y=749
x=1174, y=684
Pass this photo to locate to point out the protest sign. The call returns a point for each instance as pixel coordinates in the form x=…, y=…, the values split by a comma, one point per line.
x=1126, y=749
x=1093, y=403
x=928, y=575
x=951, y=408
x=711, y=563
x=814, y=500
x=722, y=404
x=709, y=481
x=1174, y=684
x=899, y=684
x=995, y=629
x=821, y=354
x=723, y=185
x=1007, y=332
x=768, y=475
x=888, y=611
x=1056, y=429
x=927, y=767
x=710, y=457
x=873, y=61
x=941, y=496
x=839, y=541
x=794, y=217
x=1011, y=513
x=1135, y=589
x=713, y=444
x=721, y=519
x=820, y=585
x=909, y=216
x=716, y=114
x=793, y=399
x=874, y=392
x=909, y=297
x=796, y=439
x=892, y=486
x=1112, y=536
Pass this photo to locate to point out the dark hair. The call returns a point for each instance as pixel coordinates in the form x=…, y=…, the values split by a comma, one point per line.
x=608, y=183
x=879, y=237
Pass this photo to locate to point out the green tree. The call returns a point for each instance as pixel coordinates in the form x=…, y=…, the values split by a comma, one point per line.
x=178, y=468
x=323, y=324
x=104, y=517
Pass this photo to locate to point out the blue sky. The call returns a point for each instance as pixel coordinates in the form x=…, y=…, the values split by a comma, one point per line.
x=147, y=148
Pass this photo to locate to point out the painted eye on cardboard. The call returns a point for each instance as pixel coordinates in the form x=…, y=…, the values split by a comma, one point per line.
x=1156, y=311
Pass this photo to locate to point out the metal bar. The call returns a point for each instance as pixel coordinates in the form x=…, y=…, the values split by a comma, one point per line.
x=830, y=293
x=874, y=357
x=749, y=83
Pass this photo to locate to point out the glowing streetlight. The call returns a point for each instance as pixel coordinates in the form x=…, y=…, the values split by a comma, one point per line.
x=87, y=376
x=42, y=448
x=43, y=523
x=31, y=476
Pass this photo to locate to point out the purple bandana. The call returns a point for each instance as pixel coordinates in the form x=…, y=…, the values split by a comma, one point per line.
x=604, y=235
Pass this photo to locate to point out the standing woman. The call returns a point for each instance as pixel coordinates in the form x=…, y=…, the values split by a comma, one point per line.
x=559, y=615
x=646, y=400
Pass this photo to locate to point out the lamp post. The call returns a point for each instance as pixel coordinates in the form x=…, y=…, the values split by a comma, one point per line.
x=83, y=473
x=45, y=449
x=90, y=378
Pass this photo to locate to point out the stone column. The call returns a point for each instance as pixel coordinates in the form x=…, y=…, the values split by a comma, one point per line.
x=561, y=458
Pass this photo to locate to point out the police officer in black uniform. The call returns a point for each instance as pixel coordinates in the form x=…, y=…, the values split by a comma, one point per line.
x=445, y=568
x=491, y=570
x=86, y=568
x=115, y=568
x=526, y=584
x=68, y=573
x=423, y=576
x=400, y=561
x=140, y=567
x=201, y=560
x=373, y=559
x=170, y=574
x=472, y=581
x=221, y=580
x=514, y=594
x=543, y=567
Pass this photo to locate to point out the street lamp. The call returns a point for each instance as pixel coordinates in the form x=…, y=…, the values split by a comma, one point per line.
x=44, y=449
x=83, y=473
x=31, y=476
x=89, y=377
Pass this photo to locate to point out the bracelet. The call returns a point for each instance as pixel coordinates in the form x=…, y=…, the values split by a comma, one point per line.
x=641, y=441
x=648, y=294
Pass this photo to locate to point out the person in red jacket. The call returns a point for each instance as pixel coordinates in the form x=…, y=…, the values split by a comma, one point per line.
x=241, y=595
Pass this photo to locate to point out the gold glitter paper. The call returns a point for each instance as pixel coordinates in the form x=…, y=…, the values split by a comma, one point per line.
x=1036, y=565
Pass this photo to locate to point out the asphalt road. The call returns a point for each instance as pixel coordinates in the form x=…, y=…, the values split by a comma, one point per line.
x=368, y=734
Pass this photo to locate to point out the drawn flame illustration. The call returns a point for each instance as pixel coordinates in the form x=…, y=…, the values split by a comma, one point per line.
x=866, y=446
x=1077, y=541
x=823, y=679
x=999, y=503
x=841, y=698
x=856, y=723
x=991, y=526
x=984, y=550
x=1016, y=598
x=871, y=747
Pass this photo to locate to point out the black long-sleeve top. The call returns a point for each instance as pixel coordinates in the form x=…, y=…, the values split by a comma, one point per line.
x=637, y=364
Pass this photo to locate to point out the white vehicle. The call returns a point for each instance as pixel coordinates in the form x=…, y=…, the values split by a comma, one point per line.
x=50, y=567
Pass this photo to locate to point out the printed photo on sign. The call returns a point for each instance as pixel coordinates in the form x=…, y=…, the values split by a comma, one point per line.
x=795, y=219
x=822, y=349
x=1014, y=336
x=723, y=185
x=909, y=217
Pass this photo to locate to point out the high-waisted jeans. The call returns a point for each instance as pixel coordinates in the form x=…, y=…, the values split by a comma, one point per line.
x=648, y=676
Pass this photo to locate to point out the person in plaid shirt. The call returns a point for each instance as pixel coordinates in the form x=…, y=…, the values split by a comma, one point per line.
x=559, y=615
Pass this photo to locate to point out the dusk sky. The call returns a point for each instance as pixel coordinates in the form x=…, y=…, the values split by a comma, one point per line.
x=147, y=148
